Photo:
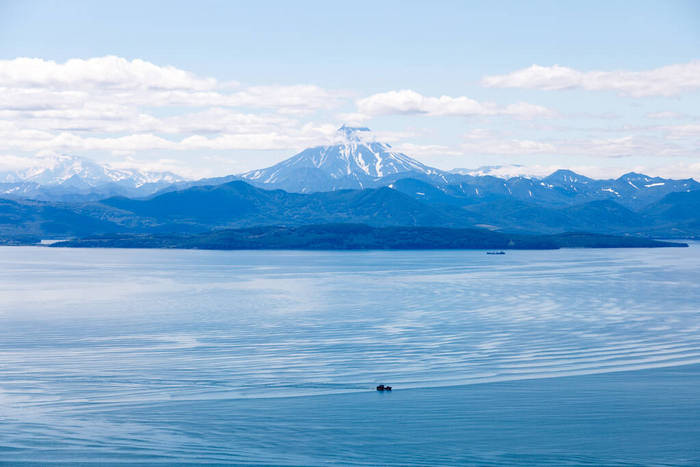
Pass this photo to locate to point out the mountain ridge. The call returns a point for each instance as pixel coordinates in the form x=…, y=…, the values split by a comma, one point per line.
x=69, y=177
x=355, y=161
x=238, y=204
x=357, y=180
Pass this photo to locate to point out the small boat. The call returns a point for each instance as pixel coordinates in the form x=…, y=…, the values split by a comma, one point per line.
x=495, y=252
x=381, y=387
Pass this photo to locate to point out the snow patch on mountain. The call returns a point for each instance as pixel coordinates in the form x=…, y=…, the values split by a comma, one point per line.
x=62, y=169
x=354, y=155
x=70, y=178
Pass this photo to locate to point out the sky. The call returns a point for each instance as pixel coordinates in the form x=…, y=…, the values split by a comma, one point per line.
x=213, y=88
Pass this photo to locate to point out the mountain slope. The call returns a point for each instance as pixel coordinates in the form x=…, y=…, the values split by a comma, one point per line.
x=238, y=204
x=31, y=218
x=410, y=203
x=678, y=213
x=355, y=162
x=73, y=178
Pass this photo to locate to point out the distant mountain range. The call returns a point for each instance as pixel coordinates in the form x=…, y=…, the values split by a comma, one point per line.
x=357, y=162
x=73, y=178
x=238, y=204
x=357, y=181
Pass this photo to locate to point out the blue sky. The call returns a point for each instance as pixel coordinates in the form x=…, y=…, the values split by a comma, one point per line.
x=207, y=88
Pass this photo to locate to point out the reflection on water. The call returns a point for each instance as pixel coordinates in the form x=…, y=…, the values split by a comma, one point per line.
x=87, y=333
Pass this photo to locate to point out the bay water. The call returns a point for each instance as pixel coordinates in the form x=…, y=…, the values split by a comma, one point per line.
x=586, y=356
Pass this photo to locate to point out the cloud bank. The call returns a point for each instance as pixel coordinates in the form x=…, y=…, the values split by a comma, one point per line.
x=131, y=109
x=124, y=106
x=408, y=102
x=671, y=80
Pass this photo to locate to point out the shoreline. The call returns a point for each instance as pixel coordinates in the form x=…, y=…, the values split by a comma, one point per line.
x=346, y=236
x=334, y=237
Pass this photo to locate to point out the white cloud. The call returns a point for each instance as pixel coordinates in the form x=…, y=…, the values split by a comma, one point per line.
x=12, y=163
x=124, y=106
x=307, y=135
x=223, y=120
x=284, y=99
x=633, y=145
x=134, y=110
x=682, y=131
x=630, y=145
x=241, y=132
x=503, y=147
x=428, y=150
x=507, y=146
x=484, y=141
x=410, y=102
x=102, y=72
x=33, y=84
x=669, y=80
x=160, y=165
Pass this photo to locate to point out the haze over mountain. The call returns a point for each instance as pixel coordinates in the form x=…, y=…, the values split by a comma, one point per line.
x=66, y=177
x=358, y=161
x=356, y=180
x=355, y=161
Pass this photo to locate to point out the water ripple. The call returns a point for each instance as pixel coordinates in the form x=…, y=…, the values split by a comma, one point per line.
x=88, y=334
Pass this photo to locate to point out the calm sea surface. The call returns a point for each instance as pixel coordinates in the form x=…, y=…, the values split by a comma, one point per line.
x=535, y=357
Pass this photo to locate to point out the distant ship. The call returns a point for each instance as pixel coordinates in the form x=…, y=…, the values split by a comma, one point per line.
x=495, y=252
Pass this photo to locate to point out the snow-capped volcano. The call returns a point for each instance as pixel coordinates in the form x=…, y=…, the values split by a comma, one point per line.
x=355, y=161
x=57, y=170
x=68, y=176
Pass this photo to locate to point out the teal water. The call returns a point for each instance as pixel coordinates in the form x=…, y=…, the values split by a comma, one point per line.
x=555, y=357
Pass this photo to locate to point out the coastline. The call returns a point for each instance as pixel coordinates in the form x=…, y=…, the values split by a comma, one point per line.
x=362, y=237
